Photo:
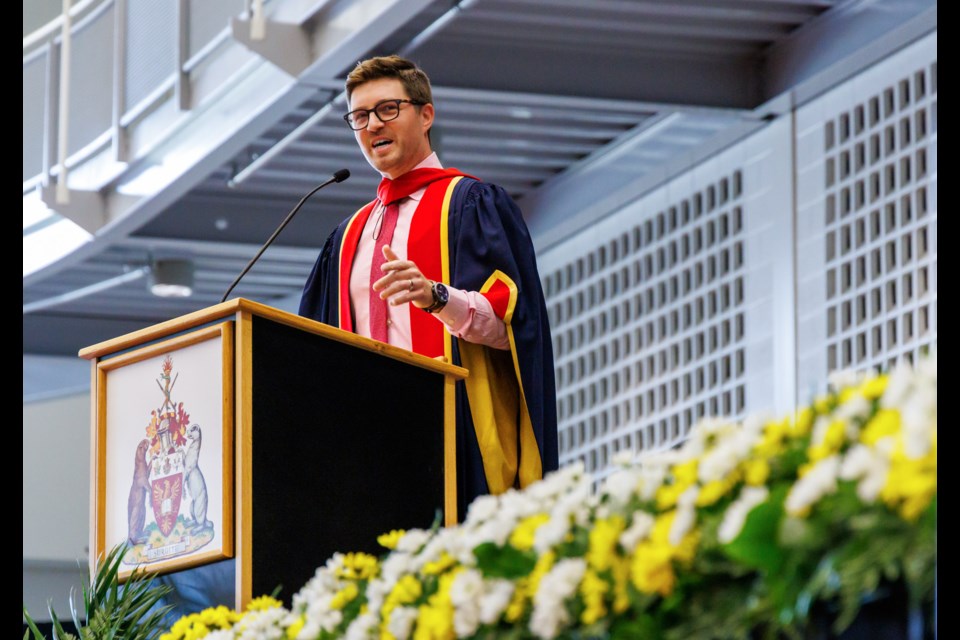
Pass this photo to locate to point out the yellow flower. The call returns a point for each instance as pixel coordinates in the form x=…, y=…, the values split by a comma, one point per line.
x=874, y=387
x=668, y=494
x=885, y=423
x=833, y=440
x=685, y=473
x=517, y=605
x=407, y=589
x=713, y=491
x=593, y=588
x=522, y=536
x=440, y=565
x=294, y=630
x=197, y=625
x=687, y=549
x=803, y=423
x=344, y=596
x=621, y=575
x=661, y=528
x=603, y=541
x=527, y=587
x=358, y=566
x=262, y=603
x=389, y=540
x=823, y=404
x=911, y=483
x=652, y=570
x=435, y=618
x=756, y=472
x=771, y=443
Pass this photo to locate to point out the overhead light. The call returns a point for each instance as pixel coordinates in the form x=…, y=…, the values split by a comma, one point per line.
x=171, y=278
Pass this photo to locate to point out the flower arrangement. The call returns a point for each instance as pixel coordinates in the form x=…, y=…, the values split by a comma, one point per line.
x=743, y=531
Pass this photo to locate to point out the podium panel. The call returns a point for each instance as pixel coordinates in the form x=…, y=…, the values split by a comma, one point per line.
x=335, y=440
x=345, y=446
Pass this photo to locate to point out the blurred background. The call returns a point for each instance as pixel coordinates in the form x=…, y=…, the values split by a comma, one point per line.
x=730, y=199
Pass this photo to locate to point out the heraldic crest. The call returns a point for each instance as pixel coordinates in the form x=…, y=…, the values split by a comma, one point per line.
x=167, y=507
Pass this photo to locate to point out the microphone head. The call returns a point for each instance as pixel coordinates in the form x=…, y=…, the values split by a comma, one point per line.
x=341, y=175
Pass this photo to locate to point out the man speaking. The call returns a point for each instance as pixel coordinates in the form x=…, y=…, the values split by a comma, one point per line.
x=442, y=264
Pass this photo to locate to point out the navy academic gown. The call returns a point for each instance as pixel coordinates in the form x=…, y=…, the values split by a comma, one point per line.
x=507, y=428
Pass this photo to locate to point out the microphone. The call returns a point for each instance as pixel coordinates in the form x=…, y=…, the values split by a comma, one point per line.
x=339, y=176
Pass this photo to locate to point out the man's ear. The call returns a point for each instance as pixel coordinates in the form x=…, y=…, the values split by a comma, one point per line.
x=426, y=116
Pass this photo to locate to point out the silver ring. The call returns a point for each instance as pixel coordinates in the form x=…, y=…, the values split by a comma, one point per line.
x=411, y=284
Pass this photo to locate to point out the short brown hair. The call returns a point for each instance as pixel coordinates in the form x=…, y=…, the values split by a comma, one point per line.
x=414, y=80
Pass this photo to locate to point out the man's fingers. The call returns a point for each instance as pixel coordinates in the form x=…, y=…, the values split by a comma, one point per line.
x=388, y=253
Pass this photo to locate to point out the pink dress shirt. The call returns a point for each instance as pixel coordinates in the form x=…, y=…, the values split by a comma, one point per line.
x=468, y=315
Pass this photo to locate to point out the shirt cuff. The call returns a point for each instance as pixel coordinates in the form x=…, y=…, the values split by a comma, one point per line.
x=457, y=310
x=469, y=315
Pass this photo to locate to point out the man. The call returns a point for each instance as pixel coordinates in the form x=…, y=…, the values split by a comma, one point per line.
x=442, y=264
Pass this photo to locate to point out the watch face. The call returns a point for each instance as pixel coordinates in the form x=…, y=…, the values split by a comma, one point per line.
x=441, y=293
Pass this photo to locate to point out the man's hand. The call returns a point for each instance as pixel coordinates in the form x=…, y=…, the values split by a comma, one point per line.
x=403, y=282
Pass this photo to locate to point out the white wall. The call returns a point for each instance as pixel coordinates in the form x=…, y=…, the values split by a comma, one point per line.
x=56, y=505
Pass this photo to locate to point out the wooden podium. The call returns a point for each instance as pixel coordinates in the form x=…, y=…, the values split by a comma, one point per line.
x=320, y=441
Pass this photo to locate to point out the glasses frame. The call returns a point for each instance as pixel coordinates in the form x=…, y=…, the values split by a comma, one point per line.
x=374, y=112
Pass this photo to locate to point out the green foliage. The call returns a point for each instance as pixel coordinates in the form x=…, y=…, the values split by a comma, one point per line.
x=504, y=562
x=112, y=611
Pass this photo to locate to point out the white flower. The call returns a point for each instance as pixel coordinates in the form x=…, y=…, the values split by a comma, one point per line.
x=412, y=540
x=393, y=568
x=684, y=520
x=401, y=622
x=899, y=387
x=820, y=426
x=550, y=615
x=465, y=594
x=557, y=482
x=621, y=485
x=736, y=514
x=220, y=634
x=651, y=479
x=320, y=615
x=496, y=597
x=638, y=530
x=569, y=509
x=363, y=627
x=869, y=465
x=818, y=482
x=262, y=625
x=919, y=419
x=854, y=411
x=844, y=378
x=481, y=509
x=754, y=425
x=717, y=463
x=551, y=532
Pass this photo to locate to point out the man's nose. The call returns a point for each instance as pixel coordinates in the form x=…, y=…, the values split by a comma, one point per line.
x=374, y=123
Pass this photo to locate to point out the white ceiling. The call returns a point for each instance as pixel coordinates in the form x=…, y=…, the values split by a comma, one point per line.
x=529, y=94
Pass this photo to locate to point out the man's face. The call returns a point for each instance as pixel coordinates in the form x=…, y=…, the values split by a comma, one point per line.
x=395, y=147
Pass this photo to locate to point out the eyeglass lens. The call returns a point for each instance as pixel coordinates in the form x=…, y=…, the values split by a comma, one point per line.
x=386, y=111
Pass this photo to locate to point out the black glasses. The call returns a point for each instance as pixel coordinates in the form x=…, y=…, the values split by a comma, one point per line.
x=387, y=110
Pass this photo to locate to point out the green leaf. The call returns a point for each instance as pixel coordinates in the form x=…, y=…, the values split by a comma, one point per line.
x=757, y=546
x=644, y=626
x=504, y=562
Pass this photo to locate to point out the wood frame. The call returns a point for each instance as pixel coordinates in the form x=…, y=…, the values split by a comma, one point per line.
x=241, y=315
x=224, y=332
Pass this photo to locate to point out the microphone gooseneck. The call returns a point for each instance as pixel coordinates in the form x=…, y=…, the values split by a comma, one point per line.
x=339, y=176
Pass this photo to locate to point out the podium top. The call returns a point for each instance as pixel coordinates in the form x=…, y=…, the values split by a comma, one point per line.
x=232, y=308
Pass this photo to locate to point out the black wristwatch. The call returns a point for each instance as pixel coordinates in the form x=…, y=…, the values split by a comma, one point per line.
x=440, y=297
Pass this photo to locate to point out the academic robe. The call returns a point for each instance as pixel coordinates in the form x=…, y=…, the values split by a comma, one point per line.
x=470, y=235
